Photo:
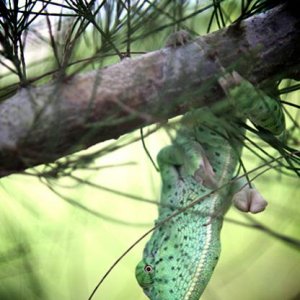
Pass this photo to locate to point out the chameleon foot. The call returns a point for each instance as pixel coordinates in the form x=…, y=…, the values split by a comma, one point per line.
x=249, y=200
x=178, y=38
x=205, y=174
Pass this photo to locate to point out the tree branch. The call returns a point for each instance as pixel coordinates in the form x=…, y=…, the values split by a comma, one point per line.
x=41, y=124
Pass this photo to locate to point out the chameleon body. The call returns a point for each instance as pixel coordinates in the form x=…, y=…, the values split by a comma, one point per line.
x=180, y=256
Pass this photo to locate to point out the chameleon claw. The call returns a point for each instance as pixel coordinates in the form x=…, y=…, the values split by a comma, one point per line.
x=249, y=200
x=230, y=80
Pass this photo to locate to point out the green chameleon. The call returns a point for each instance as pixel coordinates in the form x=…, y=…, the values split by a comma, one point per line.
x=180, y=257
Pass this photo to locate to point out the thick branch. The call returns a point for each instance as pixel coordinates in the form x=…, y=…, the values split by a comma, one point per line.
x=41, y=124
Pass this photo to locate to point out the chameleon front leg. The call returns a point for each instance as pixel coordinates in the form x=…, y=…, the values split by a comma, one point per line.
x=190, y=159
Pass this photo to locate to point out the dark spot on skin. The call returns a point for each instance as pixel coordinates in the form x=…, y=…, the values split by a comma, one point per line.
x=186, y=254
x=173, y=279
x=171, y=257
x=176, y=246
x=217, y=153
x=171, y=291
x=185, y=237
x=169, y=186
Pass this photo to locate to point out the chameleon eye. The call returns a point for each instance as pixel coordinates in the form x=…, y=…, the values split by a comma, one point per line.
x=144, y=274
x=148, y=269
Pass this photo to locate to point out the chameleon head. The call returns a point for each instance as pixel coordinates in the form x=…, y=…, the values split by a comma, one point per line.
x=177, y=267
x=159, y=284
x=156, y=287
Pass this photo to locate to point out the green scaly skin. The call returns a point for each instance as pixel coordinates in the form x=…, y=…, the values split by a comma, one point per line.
x=180, y=257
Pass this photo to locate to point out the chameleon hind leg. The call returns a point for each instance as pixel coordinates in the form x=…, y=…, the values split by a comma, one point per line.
x=249, y=102
x=264, y=112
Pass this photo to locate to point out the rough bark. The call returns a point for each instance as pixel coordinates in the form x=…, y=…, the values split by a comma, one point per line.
x=41, y=124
